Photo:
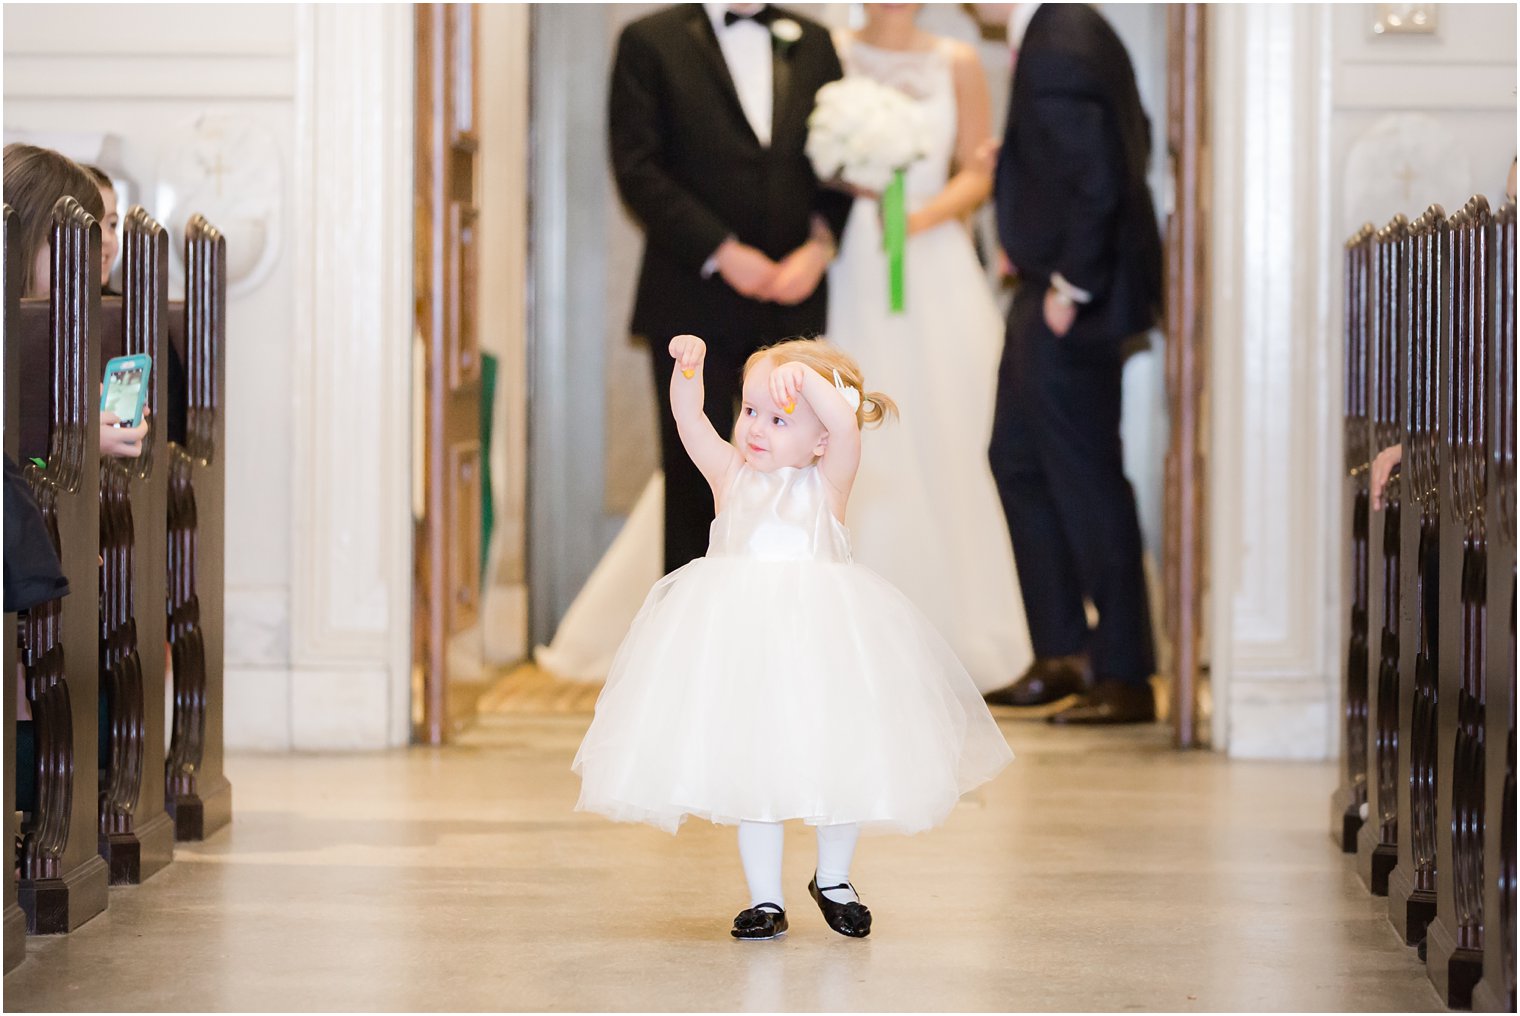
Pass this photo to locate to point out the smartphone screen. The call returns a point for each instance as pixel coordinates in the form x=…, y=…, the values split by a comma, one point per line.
x=123, y=393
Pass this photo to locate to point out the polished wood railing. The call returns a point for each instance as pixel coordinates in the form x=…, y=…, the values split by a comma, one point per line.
x=141, y=541
x=15, y=917
x=1495, y=992
x=1455, y=933
x=1348, y=803
x=1412, y=884
x=1377, y=843
x=136, y=832
x=1430, y=603
x=62, y=875
x=199, y=796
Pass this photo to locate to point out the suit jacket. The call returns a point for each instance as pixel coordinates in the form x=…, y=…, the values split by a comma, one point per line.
x=690, y=168
x=1071, y=192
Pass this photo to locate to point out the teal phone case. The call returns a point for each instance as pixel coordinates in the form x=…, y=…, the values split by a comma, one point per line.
x=126, y=387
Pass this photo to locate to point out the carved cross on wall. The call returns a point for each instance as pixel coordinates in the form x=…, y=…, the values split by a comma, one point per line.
x=1407, y=175
x=218, y=169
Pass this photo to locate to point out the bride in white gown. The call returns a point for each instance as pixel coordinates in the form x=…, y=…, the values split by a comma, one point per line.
x=925, y=511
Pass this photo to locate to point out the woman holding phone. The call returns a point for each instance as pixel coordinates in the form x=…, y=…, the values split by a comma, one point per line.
x=35, y=178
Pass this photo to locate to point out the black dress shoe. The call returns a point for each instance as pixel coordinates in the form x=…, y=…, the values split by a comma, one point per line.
x=850, y=919
x=1047, y=680
x=1110, y=702
x=760, y=923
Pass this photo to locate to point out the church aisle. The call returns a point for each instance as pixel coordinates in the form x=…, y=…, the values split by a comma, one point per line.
x=1101, y=871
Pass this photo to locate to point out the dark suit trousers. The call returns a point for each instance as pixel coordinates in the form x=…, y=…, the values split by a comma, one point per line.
x=688, y=498
x=1058, y=462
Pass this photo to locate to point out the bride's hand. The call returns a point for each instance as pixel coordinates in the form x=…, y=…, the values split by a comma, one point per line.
x=987, y=155
x=916, y=222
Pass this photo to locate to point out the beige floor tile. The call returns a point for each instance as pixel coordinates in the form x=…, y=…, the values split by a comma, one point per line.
x=1101, y=871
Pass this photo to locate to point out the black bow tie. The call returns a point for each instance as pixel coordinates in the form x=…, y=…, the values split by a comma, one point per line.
x=764, y=16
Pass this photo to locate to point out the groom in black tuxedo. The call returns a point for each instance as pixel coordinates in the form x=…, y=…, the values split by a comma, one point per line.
x=708, y=118
x=1075, y=219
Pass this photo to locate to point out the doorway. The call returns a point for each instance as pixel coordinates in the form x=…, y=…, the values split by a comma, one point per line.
x=593, y=435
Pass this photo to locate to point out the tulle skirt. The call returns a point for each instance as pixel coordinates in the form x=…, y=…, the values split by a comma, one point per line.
x=775, y=690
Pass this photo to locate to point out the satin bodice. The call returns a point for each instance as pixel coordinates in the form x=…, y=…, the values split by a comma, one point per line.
x=925, y=76
x=778, y=516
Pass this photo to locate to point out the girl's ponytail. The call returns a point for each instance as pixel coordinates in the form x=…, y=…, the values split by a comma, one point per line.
x=875, y=409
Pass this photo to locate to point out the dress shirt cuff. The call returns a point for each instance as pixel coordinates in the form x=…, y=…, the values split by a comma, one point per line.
x=1073, y=293
x=710, y=266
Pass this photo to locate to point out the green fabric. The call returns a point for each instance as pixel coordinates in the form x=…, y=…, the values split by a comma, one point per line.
x=488, y=366
x=894, y=213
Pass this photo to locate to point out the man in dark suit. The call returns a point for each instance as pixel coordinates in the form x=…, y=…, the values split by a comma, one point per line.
x=1076, y=220
x=708, y=118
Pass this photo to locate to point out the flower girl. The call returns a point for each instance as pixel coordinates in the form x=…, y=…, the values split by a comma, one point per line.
x=774, y=679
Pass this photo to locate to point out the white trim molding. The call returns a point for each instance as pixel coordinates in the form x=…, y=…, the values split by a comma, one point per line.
x=1275, y=372
x=351, y=575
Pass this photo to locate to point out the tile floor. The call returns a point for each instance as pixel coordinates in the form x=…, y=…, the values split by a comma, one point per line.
x=1101, y=871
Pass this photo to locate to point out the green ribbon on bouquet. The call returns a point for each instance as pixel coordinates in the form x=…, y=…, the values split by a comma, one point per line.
x=894, y=220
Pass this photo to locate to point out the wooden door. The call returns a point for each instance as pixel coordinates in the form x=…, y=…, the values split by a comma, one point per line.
x=1187, y=371
x=448, y=534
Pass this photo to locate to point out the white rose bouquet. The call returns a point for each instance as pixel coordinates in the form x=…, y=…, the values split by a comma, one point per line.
x=864, y=135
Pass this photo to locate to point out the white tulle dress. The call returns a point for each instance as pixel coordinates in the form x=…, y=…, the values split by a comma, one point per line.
x=776, y=679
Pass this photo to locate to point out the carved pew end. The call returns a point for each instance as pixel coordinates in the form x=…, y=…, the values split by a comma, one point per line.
x=1454, y=970
x=1345, y=819
x=1410, y=910
x=196, y=817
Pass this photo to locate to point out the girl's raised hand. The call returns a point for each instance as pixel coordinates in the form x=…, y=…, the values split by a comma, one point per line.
x=786, y=384
x=690, y=353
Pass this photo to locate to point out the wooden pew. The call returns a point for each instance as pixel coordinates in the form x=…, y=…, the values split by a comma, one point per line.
x=1412, y=884
x=63, y=878
x=1496, y=991
x=195, y=791
x=1455, y=936
x=15, y=918
x=1350, y=797
x=198, y=794
x=136, y=831
x=1376, y=844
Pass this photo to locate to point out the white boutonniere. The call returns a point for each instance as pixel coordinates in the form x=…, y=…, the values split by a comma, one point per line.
x=786, y=33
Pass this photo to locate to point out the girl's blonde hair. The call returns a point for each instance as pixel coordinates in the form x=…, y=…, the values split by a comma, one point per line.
x=818, y=354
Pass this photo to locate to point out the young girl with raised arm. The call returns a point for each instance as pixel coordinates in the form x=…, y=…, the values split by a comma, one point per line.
x=774, y=679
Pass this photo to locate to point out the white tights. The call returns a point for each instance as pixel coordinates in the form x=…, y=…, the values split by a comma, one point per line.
x=760, y=853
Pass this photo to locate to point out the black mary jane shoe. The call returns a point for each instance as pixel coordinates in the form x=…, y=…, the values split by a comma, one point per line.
x=760, y=923
x=849, y=919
